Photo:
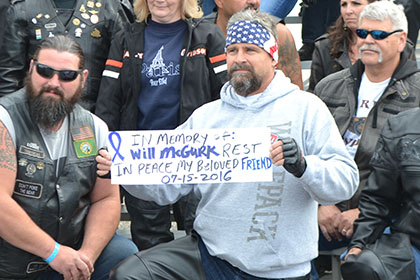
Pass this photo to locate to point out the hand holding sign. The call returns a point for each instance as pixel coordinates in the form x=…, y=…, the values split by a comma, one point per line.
x=190, y=156
x=286, y=152
x=104, y=163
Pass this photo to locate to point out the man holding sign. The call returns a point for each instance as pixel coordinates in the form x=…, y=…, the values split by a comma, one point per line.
x=255, y=230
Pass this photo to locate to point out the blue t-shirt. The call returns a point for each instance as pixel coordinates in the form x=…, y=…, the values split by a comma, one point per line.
x=160, y=75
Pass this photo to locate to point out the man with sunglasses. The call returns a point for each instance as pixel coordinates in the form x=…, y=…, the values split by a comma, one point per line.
x=91, y=23
x=382, y=83
x=58, y=216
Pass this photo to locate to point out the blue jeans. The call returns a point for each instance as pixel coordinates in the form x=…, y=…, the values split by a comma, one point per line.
x=416, y=253
x=278, y=8
x=218, y=269
x=207, y=6
x=117, y=249
x=325, y=245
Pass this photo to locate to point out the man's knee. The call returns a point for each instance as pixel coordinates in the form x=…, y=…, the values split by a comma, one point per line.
x=357, y=271
x=130, y=268
x=365, y=266
x=117, y=250
x=121, y=247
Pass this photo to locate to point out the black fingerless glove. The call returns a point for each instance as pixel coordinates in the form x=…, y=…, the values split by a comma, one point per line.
x=294, y=162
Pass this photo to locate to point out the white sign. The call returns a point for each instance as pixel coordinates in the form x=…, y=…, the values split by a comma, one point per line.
x=190, y=156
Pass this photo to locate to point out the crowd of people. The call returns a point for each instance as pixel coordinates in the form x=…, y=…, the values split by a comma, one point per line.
x=346, y=162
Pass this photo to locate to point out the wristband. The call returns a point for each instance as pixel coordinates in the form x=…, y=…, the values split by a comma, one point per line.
x=54, y=253
x=107, y=175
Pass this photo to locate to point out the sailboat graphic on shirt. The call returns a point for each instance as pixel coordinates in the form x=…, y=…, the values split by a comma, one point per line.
x=158, y=71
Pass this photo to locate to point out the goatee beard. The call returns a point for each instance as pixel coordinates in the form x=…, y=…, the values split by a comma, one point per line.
x=46, y=111
x=243, y=85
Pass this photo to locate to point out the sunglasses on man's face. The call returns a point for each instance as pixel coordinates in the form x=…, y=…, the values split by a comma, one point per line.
x=63, y=75
x=376, y=34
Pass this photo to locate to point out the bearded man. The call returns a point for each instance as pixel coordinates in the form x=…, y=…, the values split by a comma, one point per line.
x=57, y=216
x=381, y=84
x=255, y=230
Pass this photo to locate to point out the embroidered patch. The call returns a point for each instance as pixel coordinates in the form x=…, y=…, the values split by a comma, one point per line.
x=31, y=152
x=80, y=133
x=84, y=142
x=30, y=170
x=28, y=189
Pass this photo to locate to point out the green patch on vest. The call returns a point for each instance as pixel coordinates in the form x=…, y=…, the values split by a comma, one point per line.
x=85, y=147
x=84, y=142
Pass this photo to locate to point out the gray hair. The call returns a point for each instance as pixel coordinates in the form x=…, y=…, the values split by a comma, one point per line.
x=61, y=43
x=383, y=10
x=263, y=19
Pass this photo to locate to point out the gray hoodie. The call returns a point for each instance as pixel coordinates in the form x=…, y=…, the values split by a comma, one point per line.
x=268, y=229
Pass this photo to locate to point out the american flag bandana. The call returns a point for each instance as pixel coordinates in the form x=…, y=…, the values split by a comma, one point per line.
x=252, y=33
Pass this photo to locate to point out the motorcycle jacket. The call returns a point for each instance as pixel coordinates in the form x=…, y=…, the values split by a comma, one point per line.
x=323, y=64
x=92, y=24
x=340, y=92
x=392, y=195
x=202, y=73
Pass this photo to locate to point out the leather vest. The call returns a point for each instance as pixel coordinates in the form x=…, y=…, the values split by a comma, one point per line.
x=90, y=25
x=58, y=204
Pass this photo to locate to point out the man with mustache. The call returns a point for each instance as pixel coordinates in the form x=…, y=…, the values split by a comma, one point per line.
x=382, y=83
x=254, y=230
x=58, y=216
x=288, y=61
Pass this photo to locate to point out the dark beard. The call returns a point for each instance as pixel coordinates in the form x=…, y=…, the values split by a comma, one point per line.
x=243, y=85
x=252, y=7
x=48, y=112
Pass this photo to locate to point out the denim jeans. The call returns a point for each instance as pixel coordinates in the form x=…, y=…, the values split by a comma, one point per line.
x=218, y=269
x=278, y=8
x=117, y=249
x=207, y=6
x=325, y=245
x=416, y=253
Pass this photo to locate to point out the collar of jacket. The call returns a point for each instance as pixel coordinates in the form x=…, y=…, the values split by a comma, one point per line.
x=211, y=17
x=405, y=68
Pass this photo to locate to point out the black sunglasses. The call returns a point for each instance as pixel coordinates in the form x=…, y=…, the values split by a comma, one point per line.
x=63, y=75
x=376, y=34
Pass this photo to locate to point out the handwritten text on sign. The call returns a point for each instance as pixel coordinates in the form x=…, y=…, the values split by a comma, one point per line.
x=190, y=156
